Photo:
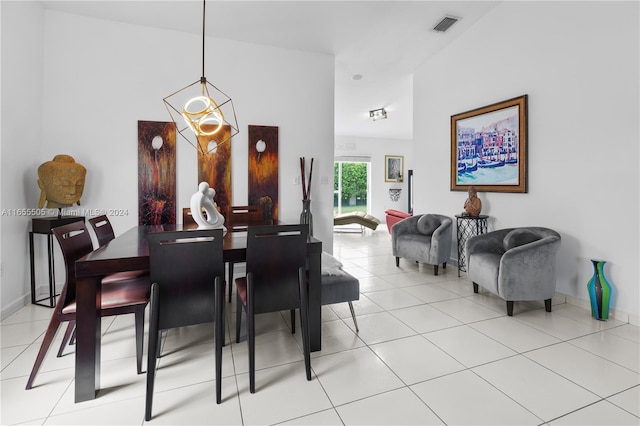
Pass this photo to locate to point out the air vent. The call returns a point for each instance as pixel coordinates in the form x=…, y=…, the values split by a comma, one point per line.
x=445, y=24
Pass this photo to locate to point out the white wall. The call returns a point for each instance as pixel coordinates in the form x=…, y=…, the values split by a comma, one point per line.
x=21, y=141
x=376, y=149
x=101, y=77
x=578, y=62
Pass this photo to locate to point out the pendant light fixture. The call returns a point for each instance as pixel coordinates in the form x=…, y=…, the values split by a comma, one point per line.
x=208, y=114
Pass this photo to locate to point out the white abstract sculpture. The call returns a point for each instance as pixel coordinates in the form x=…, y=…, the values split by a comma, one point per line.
x=203, y=199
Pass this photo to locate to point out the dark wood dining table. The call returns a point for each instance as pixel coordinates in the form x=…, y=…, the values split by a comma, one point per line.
x=130, y=252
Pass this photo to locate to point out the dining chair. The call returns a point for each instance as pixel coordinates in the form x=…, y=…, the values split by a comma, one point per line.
x=104, y=233
x=118, y=298
x=238, y=220
x=275, y=281
x=187, y=276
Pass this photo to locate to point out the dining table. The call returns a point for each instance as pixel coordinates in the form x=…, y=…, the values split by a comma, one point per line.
x=130, y=252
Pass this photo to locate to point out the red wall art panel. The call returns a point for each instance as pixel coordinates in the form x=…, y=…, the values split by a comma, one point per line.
x=214, y=166
x=263, y=170
x=156, y=172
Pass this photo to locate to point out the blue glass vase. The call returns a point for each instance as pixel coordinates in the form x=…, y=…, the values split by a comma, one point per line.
x=599, y=290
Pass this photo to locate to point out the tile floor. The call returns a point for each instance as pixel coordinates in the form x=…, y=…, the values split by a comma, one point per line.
x=429, y=351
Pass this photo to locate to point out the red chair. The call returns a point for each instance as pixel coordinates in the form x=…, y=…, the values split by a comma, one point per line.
x=395, y=216
x=123, y=297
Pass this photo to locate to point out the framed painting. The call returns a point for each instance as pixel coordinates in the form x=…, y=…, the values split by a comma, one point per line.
x=263, y=170
x=214, y=166
x=489, y=147
x=156, y=173
x=393, y=168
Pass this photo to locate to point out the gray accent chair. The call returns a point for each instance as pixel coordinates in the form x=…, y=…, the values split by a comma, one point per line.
x=515, y=264
x=424, y=238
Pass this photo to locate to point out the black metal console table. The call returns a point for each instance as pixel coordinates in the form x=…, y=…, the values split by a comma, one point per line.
x=44, y=225
x=468, y=226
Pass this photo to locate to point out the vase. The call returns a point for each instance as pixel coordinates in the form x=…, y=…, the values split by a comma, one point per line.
x=305, y=216
x=599, y=291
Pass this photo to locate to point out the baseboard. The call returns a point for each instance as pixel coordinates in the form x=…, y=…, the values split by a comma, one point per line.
x=613, y=313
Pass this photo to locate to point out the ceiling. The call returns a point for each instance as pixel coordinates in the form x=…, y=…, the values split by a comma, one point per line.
x=382, y=41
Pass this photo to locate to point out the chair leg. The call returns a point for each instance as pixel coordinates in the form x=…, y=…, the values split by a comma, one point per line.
x=230, y=279
x=293, y=321
x=219, y=336
x=475, y=287
x=67, y=337
x=139, y=314
x=444, y=265
x=510, y=308
x=353, y=315
x=239, y=307
x=547, y=305
x=44, y=347
x=304, y=321
x=435, y=269
x=397, y=261
x=251, y=343
x=154, y=341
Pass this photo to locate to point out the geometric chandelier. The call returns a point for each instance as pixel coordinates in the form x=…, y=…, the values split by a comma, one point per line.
x=205, y=110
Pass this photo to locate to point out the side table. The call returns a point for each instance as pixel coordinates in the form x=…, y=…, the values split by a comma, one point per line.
x=44, y=225
x=468, y=226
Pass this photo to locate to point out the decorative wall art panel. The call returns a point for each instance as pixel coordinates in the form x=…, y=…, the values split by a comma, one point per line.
x=156, y=173
x=214, y=166
x=263, y=170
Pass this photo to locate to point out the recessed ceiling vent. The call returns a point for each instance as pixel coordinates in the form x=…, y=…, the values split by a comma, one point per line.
x=445, y=24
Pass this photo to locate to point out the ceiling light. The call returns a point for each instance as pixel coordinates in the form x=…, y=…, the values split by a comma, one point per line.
x=378, y=114
x=205, y=112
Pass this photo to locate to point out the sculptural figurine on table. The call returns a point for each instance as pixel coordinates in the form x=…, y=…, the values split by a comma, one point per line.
x=61, y=182
x=203, y=200
x=473, y=205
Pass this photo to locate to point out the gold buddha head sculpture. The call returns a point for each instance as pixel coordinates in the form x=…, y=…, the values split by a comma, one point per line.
x=61, y=182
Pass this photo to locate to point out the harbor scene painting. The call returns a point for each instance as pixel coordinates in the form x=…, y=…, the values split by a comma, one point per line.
x=488, y=147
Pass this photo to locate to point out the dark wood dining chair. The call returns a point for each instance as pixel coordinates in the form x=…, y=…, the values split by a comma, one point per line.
x=238, y=219
x=123, y=297
x=275, y=281
x=187, y=276
x=104, y=233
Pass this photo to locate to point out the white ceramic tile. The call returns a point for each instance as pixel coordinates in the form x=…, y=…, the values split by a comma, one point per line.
x=425, y=318
x=337, y=336
x=9, y=355
x=380, y=327
x=22, y=333
x=463, y=398
x=628, y=331
x=393, y=299
x=20, y=405
x=612, y=347
x=466, y=311
x=28, y=313
x=541, y=391
x=468, y=346
x=326, y=417
x=495, y=303
x=194, y=405
x=558, y=326
x=628, y=400
x=430, y=293
x=126, y=412
x=282, y=393
x=514, y=334
x=398, y=407
x=352, y=375
x=602, y=377
x=415, y=359
x=362, y=306
x=274, y=348
x=22, y=365
x=582, y=315
x=405, y=278
x=601, y=413
x=461, y=287
x=368, y=284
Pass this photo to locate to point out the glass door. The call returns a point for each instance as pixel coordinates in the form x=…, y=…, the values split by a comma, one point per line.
x=351, y=186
